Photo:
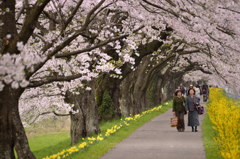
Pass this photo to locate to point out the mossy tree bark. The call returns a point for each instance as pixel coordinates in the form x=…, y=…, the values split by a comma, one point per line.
x=85, y=121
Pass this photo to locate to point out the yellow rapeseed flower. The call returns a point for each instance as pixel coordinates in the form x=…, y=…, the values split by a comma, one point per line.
x=224, y=113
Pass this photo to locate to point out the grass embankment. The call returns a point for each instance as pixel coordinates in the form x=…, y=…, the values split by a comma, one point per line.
x=210, y=146
x=53, y=143
x=221, y=126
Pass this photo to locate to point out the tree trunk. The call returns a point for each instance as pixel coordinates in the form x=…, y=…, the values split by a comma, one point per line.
x=105, y=82
x=154, y=91
x=133, y=91
x=85, y=122
x=115, y=90
x=144, y=76
x=169, y=85
x=12, y=133
x=9, y=24
x=125, y=97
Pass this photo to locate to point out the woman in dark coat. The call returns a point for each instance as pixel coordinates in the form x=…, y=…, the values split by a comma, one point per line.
x=179, y=109
x=193, y=119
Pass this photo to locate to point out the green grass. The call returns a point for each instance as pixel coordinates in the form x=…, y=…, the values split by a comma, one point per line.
x=48, y=144
x=210, y=146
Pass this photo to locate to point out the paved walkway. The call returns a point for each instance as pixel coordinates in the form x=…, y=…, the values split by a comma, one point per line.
x=157, y=140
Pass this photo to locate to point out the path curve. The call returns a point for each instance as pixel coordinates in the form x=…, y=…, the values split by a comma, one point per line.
x=157, y=140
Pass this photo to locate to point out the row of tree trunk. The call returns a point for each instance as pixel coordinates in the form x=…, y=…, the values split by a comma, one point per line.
x=139, y=90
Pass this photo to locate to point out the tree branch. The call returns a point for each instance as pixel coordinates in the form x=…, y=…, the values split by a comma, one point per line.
x=238, y=12
x=66, y=42
x=96, y=46
x=159, y=7
x=218, y=73
x=51, y=79
x=72, y=15
x=88, y=18
x=50, y=17
x=104, y=7
x=58, y=114
x=45, y=113
x=198, y=67
x=29, y=25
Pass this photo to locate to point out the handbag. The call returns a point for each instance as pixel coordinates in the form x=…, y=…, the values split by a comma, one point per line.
x=199, y=108
x=174, y=121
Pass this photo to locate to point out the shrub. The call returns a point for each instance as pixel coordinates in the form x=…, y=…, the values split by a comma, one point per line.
x=106, y=110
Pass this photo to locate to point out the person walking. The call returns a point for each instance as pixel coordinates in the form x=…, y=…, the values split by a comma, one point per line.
x=190, y=105
x=182, y=90
x=190, y=87
x=205, y=92
x=198, y=92
x=179, y=109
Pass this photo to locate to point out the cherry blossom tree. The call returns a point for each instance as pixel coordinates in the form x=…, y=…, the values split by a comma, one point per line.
x=40, y=46
x=52, y=52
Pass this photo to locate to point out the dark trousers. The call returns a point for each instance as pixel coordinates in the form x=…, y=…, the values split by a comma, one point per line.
x=180, y=116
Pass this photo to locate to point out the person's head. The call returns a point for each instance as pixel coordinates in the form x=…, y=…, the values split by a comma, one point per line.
x=191, y=92
x=191, y=86
x=178, y=93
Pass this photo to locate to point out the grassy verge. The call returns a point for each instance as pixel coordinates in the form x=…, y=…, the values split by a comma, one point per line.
x=45, y=145
x=209, y=145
